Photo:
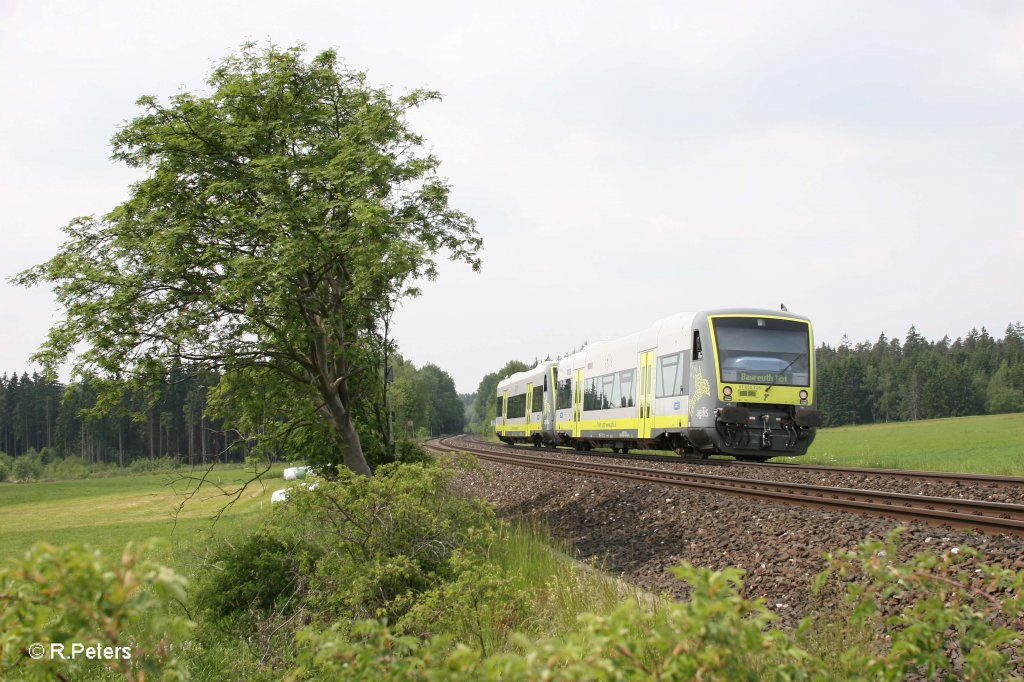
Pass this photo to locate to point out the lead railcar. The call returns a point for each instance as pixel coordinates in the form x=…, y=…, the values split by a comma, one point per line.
x=732, y=381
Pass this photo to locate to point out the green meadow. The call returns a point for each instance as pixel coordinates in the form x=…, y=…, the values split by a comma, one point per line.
x=108, y=513
x=991, y=444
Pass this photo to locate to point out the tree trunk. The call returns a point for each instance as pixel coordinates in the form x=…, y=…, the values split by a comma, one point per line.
x=337, y=402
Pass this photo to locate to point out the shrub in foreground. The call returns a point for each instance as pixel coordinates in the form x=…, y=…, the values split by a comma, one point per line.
x=958, y=617
x=963, y=621
x=394, y=546
x=68, y=595
x=379, y=542
x=715, y=635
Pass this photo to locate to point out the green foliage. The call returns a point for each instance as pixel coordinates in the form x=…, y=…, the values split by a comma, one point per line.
x=70, y=468
x=156, y=464
x=411, y=452
x=716, y=635
x=445, y=408
x=960, y=620
x=424, y=401
x=27, y=468
x=486, y=396
x=918, y=379
x=351, y=549
x=481, y=606
x=383, y=541
x=252, y=578
x=1005, y=392
x=5, y=467
x=281, y=218
x=66, y=595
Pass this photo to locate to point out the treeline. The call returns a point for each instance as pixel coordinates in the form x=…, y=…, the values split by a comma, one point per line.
x=424, y=401
x=41, y=416
x=893, y=380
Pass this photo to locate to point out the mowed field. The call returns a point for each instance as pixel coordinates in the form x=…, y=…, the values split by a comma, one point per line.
x=991, y=444
x=108, y=513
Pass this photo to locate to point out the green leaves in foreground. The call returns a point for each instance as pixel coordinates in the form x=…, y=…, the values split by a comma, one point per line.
x=717, y=634
x=73, y=596
x=950, y=616
x=944, y=616
x=961, y=620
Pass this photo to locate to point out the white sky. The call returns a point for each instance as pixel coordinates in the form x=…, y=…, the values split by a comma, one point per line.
x=862, y=162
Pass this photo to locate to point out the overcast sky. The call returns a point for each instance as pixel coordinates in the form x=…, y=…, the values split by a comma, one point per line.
x=861, y=162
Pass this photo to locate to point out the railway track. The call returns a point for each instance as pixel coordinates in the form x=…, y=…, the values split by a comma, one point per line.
x=940, y=476
x=997, y=517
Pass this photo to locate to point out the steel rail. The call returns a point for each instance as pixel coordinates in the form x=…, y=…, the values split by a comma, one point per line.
x=797, y=466
x=974, y=514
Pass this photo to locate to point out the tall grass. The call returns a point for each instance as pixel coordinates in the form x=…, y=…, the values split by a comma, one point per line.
x=562, y=587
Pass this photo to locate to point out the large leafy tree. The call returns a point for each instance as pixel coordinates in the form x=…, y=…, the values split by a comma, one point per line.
x=280, y=219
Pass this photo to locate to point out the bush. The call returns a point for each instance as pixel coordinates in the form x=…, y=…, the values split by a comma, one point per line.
x=411, y=452
x=964, y=621
x=5, y=467
x=383, y=541
x=73, y=594
x=481, y=607
x=252, y=579
x=73, y=467
x=27, y=468
x=155, y=464
x=359, y=548
x=716, y=635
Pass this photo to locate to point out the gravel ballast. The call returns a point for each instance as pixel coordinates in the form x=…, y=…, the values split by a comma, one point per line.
x=641, y=530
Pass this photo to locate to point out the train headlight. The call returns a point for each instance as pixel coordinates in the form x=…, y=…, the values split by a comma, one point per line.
x=803, y=395
x=727, y=391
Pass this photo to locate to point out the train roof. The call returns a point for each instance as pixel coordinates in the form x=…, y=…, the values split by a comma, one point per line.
x=527, y=373
x=681, y=319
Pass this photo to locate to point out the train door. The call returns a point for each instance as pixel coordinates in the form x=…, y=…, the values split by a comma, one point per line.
x=529, y=407
x=577, y=403
x=548, y=415
x=645, y=394
x=504, y=410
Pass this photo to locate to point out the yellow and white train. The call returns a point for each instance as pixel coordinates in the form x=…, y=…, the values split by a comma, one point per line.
x=737, y=382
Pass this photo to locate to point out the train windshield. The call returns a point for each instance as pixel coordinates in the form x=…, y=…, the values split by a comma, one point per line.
x=763, y=350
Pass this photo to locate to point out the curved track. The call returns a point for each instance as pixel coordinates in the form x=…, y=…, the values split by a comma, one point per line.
x=896, y=473
x=999, y=517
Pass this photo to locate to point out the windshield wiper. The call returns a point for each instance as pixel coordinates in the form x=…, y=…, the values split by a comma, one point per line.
x=778, y=374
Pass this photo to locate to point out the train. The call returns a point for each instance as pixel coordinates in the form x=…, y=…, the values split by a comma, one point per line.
x=737, y=381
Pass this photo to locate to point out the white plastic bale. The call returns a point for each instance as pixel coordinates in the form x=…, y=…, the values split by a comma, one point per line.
x=295, y=473
x=279, y=495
